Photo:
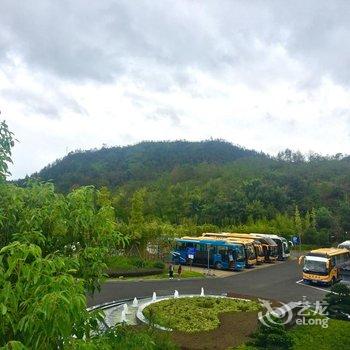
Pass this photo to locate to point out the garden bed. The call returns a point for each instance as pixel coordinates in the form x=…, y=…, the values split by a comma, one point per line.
x=195, y=314
x=234, y=330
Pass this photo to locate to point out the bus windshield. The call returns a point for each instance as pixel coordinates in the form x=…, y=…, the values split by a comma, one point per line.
x=286, y=247
x=273, y=250
x=250, y=252
x=316, y=266
x=261, y=251
x=240, y=254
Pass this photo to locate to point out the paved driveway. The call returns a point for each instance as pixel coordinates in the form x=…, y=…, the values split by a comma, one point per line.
x=273, y=282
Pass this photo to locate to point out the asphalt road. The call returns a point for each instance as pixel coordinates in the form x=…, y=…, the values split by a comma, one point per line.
x=277, y=282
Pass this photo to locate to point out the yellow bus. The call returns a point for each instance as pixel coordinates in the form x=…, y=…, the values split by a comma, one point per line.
x=259, y=251
x=268, y=245
x=258, y=248
x=323, y=265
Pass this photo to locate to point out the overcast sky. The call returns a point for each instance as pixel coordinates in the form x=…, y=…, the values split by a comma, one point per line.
x=264, y=74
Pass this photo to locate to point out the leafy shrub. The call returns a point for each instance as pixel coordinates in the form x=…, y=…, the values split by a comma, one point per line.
x=123, y=262
x=159, y=265
x=139, y=263
x=339, y=301
x=134, y=273
x=123, y=338
x=272, y=336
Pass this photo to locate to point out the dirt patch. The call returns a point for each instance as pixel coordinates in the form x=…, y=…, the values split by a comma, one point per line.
x=234, y=329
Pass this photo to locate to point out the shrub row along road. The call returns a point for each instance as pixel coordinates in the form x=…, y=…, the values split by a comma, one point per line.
x=277, y=282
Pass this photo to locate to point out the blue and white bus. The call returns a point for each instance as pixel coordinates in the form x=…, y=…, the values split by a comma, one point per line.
x=216, y=253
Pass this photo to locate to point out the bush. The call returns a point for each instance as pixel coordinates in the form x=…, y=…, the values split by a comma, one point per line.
x=139, y=263
x=122, y=338
x=124, y=263
x=272, y=336
x=159, y=265
x=339, y=301
x=134, y=273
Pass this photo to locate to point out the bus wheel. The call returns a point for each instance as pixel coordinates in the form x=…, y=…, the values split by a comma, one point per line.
x=333, y=281
x=218, y=266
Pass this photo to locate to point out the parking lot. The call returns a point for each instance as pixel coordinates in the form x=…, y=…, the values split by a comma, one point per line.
x=274, y=281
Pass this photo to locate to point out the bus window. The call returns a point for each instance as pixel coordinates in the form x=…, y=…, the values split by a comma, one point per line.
x=181, y=245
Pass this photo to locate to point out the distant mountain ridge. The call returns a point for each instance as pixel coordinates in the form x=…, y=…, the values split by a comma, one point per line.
x=141, y=162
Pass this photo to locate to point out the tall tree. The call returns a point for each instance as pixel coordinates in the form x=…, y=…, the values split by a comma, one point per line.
x=137, y=207
x=6, y=143
x=297, y=221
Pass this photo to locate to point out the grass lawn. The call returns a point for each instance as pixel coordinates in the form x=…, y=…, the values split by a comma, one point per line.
x=336, y=336
x=184, y=274
x=164, y=275
x=195, y=314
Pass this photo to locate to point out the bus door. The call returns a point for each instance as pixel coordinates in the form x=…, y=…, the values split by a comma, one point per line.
x=223, y=251
x=266, y=251
x=201, y=256
x=286, y=250
x=279, y=248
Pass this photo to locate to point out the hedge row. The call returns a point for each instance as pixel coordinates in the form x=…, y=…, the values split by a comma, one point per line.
x=113, y=273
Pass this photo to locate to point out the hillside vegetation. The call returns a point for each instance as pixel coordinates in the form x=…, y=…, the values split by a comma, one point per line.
x=216, y=183
x=142, y=162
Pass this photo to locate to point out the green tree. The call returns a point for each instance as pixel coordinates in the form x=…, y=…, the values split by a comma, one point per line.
x=137, y=207
x=297, y=221
x=6, y=143
x=324, y=218
x=307, y=221
x=256, y=210
x=42, y=304
x=313, y=222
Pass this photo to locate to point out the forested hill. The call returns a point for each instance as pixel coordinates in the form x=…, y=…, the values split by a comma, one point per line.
x=215, y=182
x=145, y=161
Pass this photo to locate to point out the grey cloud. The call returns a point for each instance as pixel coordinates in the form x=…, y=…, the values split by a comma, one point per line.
x=49, y=106
x=279, y=123
x=167, y=113
x=155, y=43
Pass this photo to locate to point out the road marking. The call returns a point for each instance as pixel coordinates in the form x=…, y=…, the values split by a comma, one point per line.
x=300, y=282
